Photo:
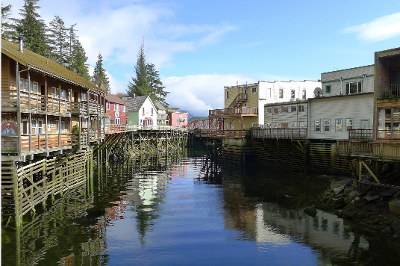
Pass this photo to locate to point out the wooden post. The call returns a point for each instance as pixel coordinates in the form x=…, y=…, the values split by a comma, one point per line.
x=18, y=110
x=29, y=89
x=17, y=207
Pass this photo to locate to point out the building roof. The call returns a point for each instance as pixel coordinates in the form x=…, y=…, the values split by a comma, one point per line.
x=134, y=103
x=114, y=99
x=44, y=65
x=159, y=106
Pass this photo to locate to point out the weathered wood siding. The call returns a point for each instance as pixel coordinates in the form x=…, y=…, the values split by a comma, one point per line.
x=282, y=116
x=356, y=107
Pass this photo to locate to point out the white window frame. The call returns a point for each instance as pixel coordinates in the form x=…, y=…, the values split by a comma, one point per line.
x=227, y=94
x=83, y=96
x=116, y=107
x=280, y=93
x=123, y=108
x=108, y=105
x=304, y=95
x=117, y=120
x=63, y=124
x=35, y=87
x=254, y=90
x=292, y=94
x=40, y=125
x=34, y=127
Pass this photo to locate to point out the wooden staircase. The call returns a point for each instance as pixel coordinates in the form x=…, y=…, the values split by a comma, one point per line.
x=238, y=101
x=7, y=187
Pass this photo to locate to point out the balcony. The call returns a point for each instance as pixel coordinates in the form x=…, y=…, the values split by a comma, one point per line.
x=376, y=150
x=364, y=135
x=279, y=133
x=242, y=111
x=389, y=92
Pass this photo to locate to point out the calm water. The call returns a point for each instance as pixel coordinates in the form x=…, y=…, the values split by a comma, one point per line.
x=187, y=211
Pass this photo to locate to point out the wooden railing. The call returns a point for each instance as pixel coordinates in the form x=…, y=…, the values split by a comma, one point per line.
x=392, y=91
x=360, y=134
x=279, y=133
x=381, y=150
x=388, y=134
x=234, y=111
x=8, y=98
x=38, y=142
x=116, y=128
x=219, y=134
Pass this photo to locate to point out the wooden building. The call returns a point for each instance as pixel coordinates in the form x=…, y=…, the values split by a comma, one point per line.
x=45, y=108
x=141, y=111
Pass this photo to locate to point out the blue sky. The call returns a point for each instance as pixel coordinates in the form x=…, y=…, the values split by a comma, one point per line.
x=200, y=46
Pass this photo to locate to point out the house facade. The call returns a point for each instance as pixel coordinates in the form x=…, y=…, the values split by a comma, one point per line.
x=45, y=107
x=141, y=111
x=286, y=115
x=178, y=119
x=345, y=102
x=387, y=94
x=245, y=103
x=115, y=110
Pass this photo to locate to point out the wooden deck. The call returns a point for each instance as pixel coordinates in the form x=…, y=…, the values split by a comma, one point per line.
x=233, y=112
x=388, y=151
x=279, y=133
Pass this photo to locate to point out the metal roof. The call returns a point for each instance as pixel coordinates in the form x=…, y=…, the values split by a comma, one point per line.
x=45, y=65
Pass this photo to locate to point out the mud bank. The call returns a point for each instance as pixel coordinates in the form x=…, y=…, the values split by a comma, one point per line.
x=370, y=209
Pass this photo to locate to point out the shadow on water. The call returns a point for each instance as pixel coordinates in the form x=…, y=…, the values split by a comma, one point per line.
x=261, y=205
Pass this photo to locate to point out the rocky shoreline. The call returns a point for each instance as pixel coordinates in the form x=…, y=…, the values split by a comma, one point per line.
x=371, y=209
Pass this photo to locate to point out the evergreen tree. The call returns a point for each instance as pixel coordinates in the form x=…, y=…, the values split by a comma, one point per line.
x=78, y=60
x=32, y=28
x=156, y=85
x=147, y=81
x=59, y=41
x=140, y=86
x=99, y=74
x=7, y=30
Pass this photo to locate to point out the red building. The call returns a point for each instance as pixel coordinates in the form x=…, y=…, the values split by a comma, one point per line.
x=115, y=110
x=178, y=119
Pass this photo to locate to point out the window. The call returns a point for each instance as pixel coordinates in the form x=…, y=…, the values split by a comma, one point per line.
x=327, y=125
x=292, y=94
x=293, y=108
x=108, y=105
x=353, y=87
x=269, y=110
x=118, y=121
x=35, y=87
x=245, y=91
x=49, y=125
x=40, y=127
x=26, y=85
x=304, y=95
x=116, y=107
x=338, y=124
x=227, y=95
x=62, y=126
x=123, y=108
x=389, y=123
x=83, y=96
x=84, y=123
x=281, y=93
x=284, y=109
x=34, y=127
x=301, y=108
x=143, y=111
x=254, y=90
x=25, y=127
x=317, y=123
x=328, y=89
x=21, y=84
x=349, y=123
x=57, y=126
x=151, y=111
x=276, y=110
x=63, y=94
x=245, y=105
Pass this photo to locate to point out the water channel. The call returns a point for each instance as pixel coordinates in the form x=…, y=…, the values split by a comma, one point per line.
x=188, y=210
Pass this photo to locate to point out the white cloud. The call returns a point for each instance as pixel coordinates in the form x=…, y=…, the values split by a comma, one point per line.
x=380, y=29
x=200, y=93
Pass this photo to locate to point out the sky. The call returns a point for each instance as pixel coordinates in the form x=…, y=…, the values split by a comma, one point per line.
x=200, y=46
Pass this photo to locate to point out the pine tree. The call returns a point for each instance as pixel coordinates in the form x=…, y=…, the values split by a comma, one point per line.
x=99, y=74
x=78, y=60
x=155, y=83
x=139, y=86
x=32, y=28
x=59, y=41
x=147, y=81
x=7, y=30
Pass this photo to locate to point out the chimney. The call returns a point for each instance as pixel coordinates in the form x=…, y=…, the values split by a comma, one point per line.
x=20, y=44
